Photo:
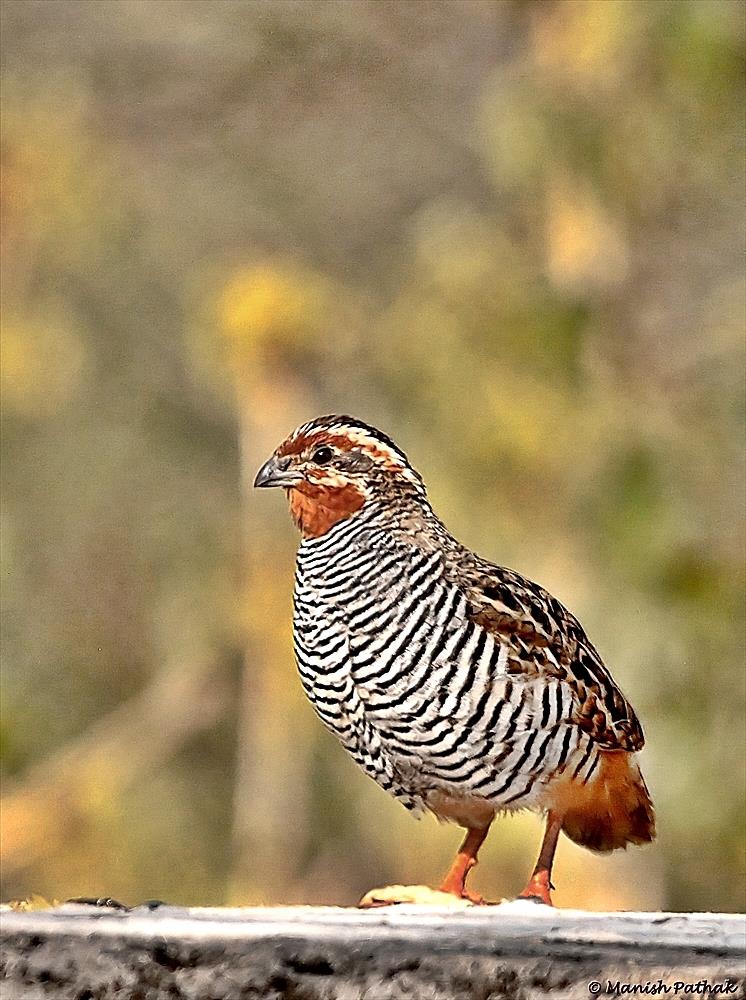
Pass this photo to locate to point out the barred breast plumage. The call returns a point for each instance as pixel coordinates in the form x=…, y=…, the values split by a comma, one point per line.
x=458, y=685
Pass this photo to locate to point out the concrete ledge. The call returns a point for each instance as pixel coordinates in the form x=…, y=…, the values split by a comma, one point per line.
x=516, y=950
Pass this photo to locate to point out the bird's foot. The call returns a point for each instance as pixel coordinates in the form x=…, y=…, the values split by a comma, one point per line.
x=459, y=890
x=538, y=889
x=419, y=895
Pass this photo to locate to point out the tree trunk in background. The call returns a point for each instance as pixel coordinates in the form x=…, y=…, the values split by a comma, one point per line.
x=270, y=802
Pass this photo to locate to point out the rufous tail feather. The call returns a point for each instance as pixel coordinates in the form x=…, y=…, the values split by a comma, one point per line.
x=612, y=810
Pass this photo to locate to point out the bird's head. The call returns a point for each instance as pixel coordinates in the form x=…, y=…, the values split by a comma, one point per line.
x=331, y=466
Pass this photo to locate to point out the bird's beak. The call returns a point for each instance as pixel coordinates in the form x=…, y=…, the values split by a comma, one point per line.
x=275, y=472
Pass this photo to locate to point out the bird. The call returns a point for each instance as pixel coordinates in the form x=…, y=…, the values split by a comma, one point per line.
x=461, y=687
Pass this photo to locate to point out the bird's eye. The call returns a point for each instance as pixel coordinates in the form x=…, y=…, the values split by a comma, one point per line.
x=322, y=455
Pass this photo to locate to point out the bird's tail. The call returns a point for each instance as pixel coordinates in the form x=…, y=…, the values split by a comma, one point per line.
x=614, y=809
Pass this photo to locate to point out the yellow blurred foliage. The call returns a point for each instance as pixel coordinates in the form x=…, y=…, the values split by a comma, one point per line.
x=585, y=245
x=41, y=366
x=586, y=44
x=270, y=312
x=55, y=178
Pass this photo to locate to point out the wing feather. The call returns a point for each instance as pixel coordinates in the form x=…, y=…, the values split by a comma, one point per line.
x=546, y=641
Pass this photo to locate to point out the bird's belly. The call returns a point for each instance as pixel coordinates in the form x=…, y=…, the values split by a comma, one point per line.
x=493, y=745
x=449, y=728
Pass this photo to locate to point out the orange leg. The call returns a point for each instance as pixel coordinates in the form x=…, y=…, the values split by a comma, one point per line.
x=455, y=880
x=540, y=884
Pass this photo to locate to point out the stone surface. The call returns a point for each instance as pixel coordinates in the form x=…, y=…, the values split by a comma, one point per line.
x=516, y=950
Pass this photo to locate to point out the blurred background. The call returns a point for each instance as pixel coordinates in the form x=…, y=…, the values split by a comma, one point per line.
x=508, y=233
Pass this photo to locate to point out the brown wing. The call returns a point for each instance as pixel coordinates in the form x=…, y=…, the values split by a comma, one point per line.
x=545, y=639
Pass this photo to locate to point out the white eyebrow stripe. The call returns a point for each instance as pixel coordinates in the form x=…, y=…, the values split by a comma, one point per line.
x=363, y=438
x=389, y=455
x=357, y=436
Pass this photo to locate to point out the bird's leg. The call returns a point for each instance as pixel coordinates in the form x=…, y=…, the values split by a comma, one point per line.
x=540, y=884
x=455, y=880
x=452, y=892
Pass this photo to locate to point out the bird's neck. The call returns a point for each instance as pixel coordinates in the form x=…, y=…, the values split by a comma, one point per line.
x=316, y=509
